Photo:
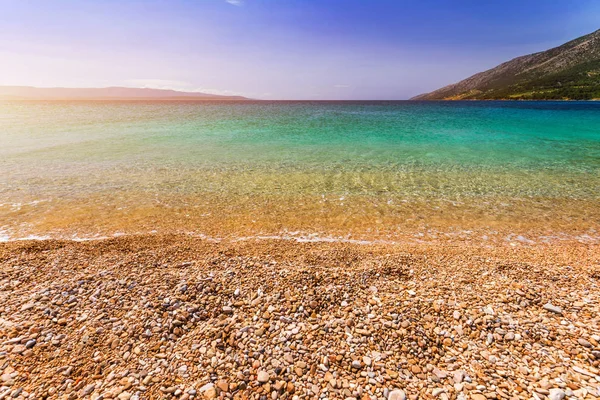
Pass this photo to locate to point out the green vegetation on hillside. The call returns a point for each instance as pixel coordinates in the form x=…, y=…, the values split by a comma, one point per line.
x=580, y=82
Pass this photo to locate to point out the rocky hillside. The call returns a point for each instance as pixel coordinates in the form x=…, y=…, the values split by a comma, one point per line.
x=570, y=71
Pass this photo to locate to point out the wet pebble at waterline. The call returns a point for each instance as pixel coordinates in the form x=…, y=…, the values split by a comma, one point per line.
x=136, y=318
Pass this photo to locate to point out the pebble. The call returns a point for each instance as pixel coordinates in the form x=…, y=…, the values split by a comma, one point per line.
x=556, y=394
x=294, y=321
x=553, y=309
x=458, y=376
x=584, y=343
x=478, y=396
x=397, y=394
x=227, y=310
x=88, y=389
x=263, y=376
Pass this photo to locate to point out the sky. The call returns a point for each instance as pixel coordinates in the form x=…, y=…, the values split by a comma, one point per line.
x=277, y=49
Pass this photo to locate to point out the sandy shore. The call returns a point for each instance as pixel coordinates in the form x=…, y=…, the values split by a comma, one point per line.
x=174, y=316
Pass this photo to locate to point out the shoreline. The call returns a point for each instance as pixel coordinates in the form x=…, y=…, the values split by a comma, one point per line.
x=512, y=239
x=174, y=316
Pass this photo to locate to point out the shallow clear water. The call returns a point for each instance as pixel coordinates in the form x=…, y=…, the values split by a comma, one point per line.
x=92, y=159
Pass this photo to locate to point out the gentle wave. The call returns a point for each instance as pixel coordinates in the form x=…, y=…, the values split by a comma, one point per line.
x=512, y=239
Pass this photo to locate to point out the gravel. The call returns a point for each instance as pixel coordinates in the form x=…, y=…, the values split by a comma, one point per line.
x=178, y=317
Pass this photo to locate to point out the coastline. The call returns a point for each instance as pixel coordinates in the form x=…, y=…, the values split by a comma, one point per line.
x=447, y=251
x=155, y=316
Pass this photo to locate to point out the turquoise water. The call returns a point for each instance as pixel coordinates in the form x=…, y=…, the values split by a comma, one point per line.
x=52, y=151
x=530, y=135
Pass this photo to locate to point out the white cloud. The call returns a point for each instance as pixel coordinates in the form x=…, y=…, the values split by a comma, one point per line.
x=235, y=2
x=158, y=84
x=181, y=86
x=219, y=92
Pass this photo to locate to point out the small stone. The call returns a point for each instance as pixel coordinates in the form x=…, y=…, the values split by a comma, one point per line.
x=210, y=393
x=87, y=390
x=509, y=336
x=393, y=374
x=223, y=385
x=30, y=343
x=367, y=361
x=584, y=343
x=553, y=309
x=262, y=377
x=206, y=387
x=356, y=364
x=436, y=392
x=315, y=389
x=290, y=388
x=458, y=376
x=397, y=394
x=7, y=380
x=439, y=373
x=556, y=394
x=227, y=310
x=18, y=349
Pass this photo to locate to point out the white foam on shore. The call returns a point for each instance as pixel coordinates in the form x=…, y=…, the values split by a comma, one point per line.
x=295, y=236
x=34, y=237
x=19, y=206
x=88, y=239
x=4, y=236
x=316, y=239
x=512, y=239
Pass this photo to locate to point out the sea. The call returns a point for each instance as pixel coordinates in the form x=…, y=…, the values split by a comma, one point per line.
x=368, y=171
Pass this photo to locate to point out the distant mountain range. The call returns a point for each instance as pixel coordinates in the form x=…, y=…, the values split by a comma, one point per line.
x=109, y=93
x=570, y=72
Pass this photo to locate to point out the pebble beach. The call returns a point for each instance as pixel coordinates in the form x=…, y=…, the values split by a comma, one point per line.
x=176, y=317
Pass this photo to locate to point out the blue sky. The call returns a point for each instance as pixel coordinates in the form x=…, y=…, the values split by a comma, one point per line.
x=277, y=49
